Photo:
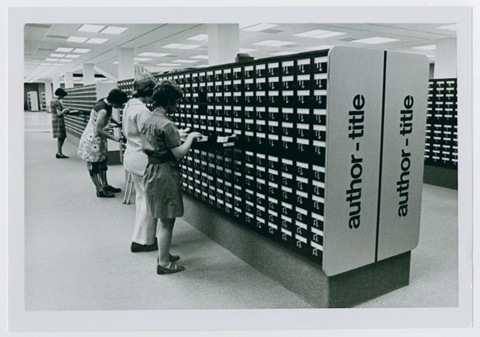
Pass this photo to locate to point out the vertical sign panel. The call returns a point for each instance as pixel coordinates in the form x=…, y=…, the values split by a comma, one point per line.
x=403, y=153
x=354, y=102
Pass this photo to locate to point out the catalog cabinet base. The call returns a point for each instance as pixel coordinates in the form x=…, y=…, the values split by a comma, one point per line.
x=440, y=176
x=297, y=274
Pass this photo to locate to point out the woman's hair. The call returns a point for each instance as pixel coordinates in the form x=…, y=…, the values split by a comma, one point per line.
x=117, y=97
x=60, y=92
x=166, y=93
x=143, y=85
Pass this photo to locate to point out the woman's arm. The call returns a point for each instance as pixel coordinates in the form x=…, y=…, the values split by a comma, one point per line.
x=180, y=151
x=101, y=122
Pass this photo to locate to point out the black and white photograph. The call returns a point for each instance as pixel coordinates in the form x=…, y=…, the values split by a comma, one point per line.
x=239, y=168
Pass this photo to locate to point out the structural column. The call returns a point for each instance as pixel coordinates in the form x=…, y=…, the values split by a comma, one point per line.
x=56, y=83
x=48, y=94
x=126, y=66
x=223, y=43
x=68, y=80
x=88, y=74
x=446, y=58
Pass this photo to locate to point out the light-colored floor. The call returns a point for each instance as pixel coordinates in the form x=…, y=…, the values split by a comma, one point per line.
x=77, y=253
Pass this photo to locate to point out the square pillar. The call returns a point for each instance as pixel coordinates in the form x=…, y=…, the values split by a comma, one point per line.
x=446, y=58
x=223, y=43
x=88, y=74
x=69, y=80
x=126, y=66
x=48, y=94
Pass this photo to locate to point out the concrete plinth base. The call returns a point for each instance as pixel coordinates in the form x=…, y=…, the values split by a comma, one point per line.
x=294, y=272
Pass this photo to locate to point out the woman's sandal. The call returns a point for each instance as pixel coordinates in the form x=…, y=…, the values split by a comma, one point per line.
x=103, y=194
x=173, y=258
x=172, y=268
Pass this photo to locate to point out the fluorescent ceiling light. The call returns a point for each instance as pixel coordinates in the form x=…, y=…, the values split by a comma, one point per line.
x=64, y=50
x=45, y=64
x=283, y=53
x=274, y=43
x=313, y=33
x=167, y=64
x=326, y=35
x=66, y=60
x=319, y=47
x=160, y=54
x=91, y=28
x=57, y=65
x=186, y=61
x=81, y=50
x=375, y=40
x=57, y=55
x=147, y=54
x=114, y=30
x=246, y=50
x=72, y=56
x=200, y=37
x=96, y=40
x=173, y=45
x=200, y=57
x=259, y=27
x=141, y=59
x=429, y=47
x=51, y=60
x=189, y=46
x=449, y=27
x=77, y=39
x=116, y=62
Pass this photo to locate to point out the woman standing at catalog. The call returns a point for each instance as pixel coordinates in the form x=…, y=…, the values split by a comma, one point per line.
x=134, y=161
x=58, y=122
x=163, y=192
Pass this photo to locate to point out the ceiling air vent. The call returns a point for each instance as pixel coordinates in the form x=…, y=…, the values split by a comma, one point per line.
x=37, y=25
x=57, y=37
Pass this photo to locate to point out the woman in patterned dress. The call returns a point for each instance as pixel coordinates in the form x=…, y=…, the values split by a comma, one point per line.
x=162, y=143
x=93, y=143
x=58, y=123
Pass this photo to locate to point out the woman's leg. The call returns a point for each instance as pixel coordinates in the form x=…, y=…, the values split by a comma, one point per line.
x=145, y=224
x=60, y=142
x=92, y=170
x=164, y=237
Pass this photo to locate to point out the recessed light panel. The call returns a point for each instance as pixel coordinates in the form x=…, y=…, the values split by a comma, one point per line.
x=375, y=40
x=312, y=33
x=259, y=27
x=246, y=50
x=173, y=45
x=167, y=64
x=147, y=54
x=141, y=59
x=95, y=40
x=326, y=35
x=64, y=50
x=81, y=50
x=72, y=56
x=200, y=57
x=51, y=60
x=91, y=28
x=200, y=37
x=77, y=39
x=114, y=30
x=160, y=55
x=273, y=43
x=186, y=61
x=189, y=46
x=57, y=55
x=66, y=60
x=45, y=64
x=449, y=27
x=429, y=47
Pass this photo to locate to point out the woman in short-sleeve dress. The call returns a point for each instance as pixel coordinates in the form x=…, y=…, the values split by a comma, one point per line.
x=93, y=143
x=58, y=123
x=163, y=192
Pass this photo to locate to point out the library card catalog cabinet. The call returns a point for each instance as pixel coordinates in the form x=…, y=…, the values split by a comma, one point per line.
x=328, y=160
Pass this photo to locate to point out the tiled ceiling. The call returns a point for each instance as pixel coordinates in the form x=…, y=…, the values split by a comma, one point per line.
x=43, y=40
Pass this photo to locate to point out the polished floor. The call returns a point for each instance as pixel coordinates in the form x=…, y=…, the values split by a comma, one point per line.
x=77, y=253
